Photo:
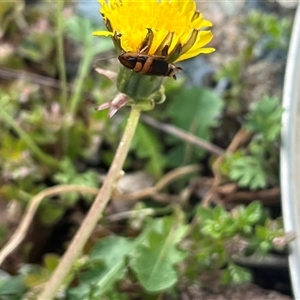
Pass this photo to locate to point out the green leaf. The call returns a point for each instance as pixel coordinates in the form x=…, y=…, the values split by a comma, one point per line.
x=106, y=266
x=261, y=232
x=232, y=70
x=204, y=213
x=265, y=118
x=115, y=295
x=236, y=275
x=268, y=30
x=195, y=110
x=147, y=145
x=253, y=212
x=51, y=261
x=154, y=259
x=12, y=288
x=248, y=171
x=69, y=175
x=37, y=46
x=50, y=212
x=81, y=29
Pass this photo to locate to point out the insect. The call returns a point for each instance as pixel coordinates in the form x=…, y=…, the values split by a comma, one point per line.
x=148, y=64
x=144, y=63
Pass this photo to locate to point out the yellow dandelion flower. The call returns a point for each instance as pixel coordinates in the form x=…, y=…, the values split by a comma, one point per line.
x=151, y=35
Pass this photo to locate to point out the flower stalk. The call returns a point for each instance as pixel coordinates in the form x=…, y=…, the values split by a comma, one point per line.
x=95, y=213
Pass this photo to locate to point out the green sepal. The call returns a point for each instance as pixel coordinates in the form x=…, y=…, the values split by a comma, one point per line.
x=137, y=86
x=144, y=105
x=149, y=103
x=159, y=96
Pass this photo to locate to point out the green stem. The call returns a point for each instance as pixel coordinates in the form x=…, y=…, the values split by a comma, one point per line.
x=61, y=57
x=62, y=73
x=83, y=72
x=95, y=212
x=47, y=159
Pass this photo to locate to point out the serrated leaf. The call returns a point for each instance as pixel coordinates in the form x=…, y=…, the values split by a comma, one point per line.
x=265, y=118
x=154, y=260
x=248, y=171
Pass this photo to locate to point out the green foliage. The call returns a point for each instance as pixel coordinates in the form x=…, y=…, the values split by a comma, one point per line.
x=218, y=223
x=50, y=213
x=148, y=146
x=69, y=175
x=265, y=119
x=152, y=256
x=12, y=288
x=155, y=253
x=262, y=242
x=195, y=110
x=80, y=29
x=37, y=46
x=156, y=257
x=235, y=274
x=223, y=234
x=248, y=171
x=276, y=31
x=151, y=259
x=263, y=33
x=255, y=168
x=42, y=141
x=29, y=279
x=106, y=266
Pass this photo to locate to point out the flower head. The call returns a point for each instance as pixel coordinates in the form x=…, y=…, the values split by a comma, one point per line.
x=151, y=35
x=173, y=30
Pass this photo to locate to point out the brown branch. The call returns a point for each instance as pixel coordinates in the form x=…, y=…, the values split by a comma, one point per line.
x=183, y=135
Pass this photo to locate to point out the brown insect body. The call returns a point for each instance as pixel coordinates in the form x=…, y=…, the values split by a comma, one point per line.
x=148, y=64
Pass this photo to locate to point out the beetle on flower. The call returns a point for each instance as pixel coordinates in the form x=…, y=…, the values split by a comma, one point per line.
x=150, y=36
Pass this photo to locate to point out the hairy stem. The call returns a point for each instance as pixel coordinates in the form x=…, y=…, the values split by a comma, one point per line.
x=75, y=248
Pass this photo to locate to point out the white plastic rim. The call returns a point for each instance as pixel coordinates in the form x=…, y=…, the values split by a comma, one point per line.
x=290, y=153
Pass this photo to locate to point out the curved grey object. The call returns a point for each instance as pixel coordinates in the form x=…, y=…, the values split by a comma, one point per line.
x=290, y=153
